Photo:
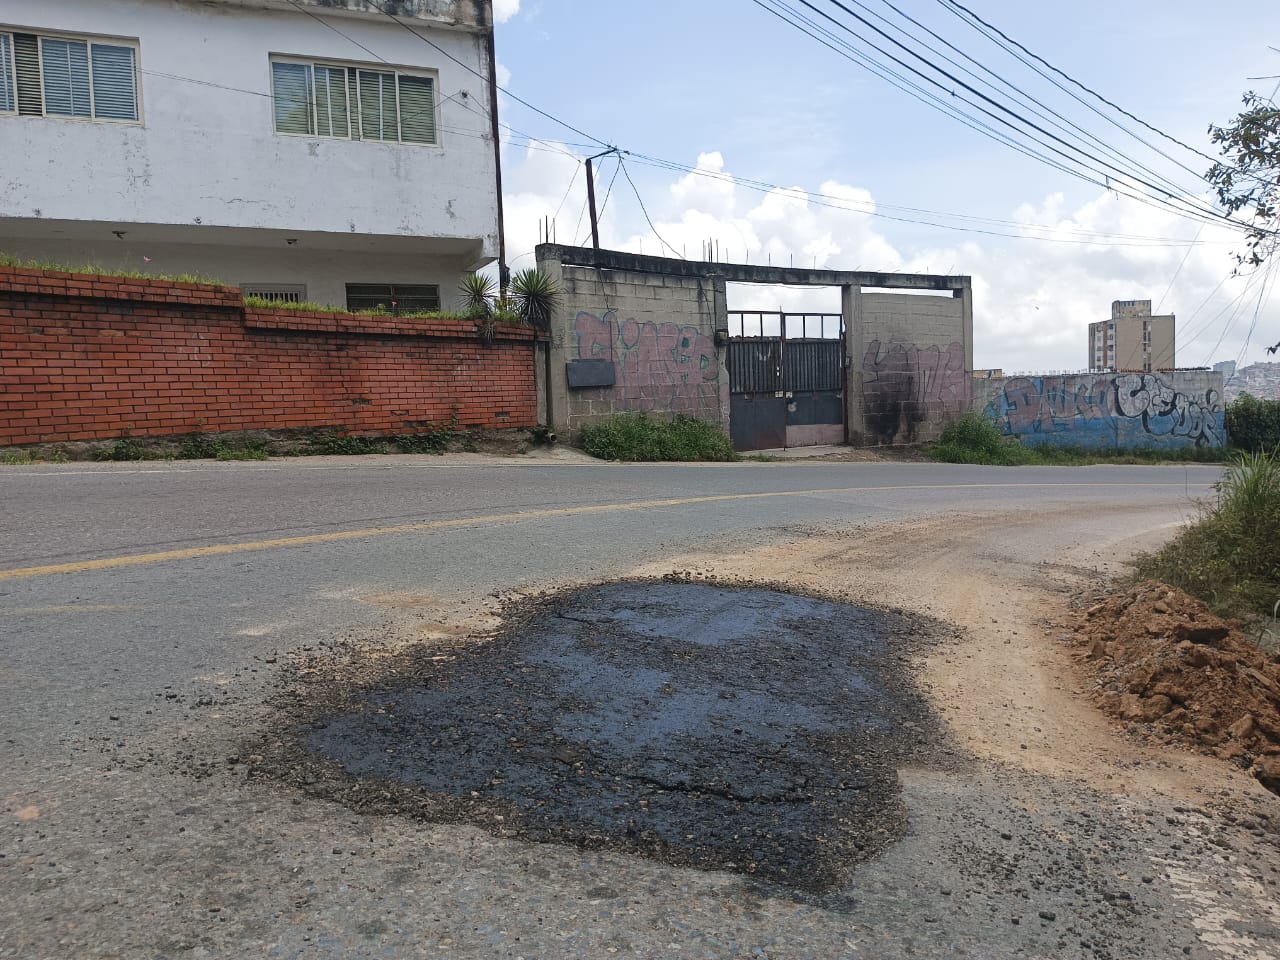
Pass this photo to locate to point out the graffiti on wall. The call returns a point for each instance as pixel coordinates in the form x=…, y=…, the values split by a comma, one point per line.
x=659, y=366
x=905, y=385
x=1120, y=410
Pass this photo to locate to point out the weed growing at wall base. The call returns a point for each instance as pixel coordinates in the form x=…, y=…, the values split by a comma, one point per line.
x=975, y=439
x=639, y=437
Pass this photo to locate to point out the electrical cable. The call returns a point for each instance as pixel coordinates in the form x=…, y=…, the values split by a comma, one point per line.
x=1017, y=91
x=466, y=66
x=823, y=200
x=870, y=209
x=1264, y=295
x=1181, y=264
x=605, y=203
x=567, y=191
x=914, y=90
x=647, y=218
x=961, y=8
x=1170, y=200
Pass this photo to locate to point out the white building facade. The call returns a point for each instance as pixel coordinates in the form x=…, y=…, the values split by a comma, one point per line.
x=322, y=150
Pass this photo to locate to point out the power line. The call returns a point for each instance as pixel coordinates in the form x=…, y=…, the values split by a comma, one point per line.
x=466, y=66
x=1017, y=91
x=605, y=204
x=1263, y=296
x=330, y=26
x=819, y=199
x=1171, y=199
x=962, y=9
x=1181, y=264
x=836, y=203
x=811, y=29
x=647, y=218
x=538, y=110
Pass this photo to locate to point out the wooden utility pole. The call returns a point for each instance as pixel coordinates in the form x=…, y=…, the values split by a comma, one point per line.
x=591, y=197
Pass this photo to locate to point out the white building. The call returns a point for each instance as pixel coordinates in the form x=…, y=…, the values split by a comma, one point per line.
x=320, y=149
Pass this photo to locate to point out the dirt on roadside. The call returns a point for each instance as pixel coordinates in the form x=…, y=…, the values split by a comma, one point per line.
x=1163, y=661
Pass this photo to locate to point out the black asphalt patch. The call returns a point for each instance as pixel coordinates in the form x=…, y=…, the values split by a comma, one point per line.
x=720, y=727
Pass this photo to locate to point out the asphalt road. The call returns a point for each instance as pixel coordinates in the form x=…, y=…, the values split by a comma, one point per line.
x=145, y=611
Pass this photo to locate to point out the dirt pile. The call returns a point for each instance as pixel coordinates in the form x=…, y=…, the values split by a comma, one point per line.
x=1162, y=659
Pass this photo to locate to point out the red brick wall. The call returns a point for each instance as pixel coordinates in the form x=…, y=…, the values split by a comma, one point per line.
x=84, y=358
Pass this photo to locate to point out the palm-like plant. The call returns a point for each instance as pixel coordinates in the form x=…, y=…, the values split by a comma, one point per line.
x=534, y=296
x=477, y=294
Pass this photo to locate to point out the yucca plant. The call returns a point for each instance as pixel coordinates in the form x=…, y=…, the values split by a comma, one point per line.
x=477, y=294
x=534, y=296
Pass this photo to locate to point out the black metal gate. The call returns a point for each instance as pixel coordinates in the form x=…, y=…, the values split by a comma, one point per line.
x=786, y=379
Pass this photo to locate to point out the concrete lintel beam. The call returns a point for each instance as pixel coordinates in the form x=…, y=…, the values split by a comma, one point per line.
x=745, y=273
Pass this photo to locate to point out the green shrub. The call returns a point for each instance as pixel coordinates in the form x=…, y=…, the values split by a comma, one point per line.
x=1230, y=557
x=975, y=439
x=639, y=437
x=125, y=449
x=1253, y=424
x=342, y=444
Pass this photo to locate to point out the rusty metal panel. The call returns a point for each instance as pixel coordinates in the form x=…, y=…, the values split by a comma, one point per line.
x=813, y=365
x=755, y=365
x=757, y=421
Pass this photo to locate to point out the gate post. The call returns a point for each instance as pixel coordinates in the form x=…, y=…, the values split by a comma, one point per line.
x=854, y=413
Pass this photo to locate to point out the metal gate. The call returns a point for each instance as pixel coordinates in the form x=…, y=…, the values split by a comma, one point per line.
x=786, y=379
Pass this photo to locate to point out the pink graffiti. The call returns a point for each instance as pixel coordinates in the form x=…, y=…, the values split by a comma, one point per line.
x=1040, y=402
x=660, y=367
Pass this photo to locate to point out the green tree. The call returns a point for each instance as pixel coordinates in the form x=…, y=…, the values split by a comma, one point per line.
x=1247, y=179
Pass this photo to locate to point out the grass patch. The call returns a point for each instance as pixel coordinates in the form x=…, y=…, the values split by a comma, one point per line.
x=639, y=437
x=310, y=306
x=1230, y=557
x=23, y=458
x=975, y=439
x=204, y=446
x=93, y=270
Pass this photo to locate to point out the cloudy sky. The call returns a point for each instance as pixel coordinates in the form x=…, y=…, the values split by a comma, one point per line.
x=804, y=156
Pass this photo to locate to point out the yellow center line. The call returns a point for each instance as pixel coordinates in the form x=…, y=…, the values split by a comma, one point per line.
x=191, y=553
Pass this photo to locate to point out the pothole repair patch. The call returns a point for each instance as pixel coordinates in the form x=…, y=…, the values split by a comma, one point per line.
x=712, y=726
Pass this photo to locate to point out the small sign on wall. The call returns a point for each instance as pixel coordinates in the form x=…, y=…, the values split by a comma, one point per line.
x=590, y=373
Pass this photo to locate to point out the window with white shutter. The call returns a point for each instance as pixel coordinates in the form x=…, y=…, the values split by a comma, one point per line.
x=353, y=102
x=72, y=77
x=115, y=86
x=8, y=82
x=417, y=109
x=332, y=97
x=291, y=90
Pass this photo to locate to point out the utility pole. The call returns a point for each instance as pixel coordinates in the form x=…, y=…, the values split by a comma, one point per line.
x=492, y=51
x=591, y=197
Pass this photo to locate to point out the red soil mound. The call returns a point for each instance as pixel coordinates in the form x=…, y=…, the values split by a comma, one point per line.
x=1162, y=659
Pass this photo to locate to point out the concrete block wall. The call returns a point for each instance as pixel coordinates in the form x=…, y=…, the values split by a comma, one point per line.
x=1173, y=408
x=654, y=321
x=92, y=358
x=657, y=330
x=914, y=354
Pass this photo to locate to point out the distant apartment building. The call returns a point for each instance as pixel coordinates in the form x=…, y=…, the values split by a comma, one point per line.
x=1132, y=340
x=1225, y=367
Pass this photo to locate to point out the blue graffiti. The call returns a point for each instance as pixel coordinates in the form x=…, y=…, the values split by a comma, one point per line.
x=1106, y=410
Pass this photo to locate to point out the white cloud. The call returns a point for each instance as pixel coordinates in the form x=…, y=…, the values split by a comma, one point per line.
x=504, y=10
x=1033, y=299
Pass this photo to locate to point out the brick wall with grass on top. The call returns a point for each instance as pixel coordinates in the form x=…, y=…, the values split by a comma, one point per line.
x=92, y=358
